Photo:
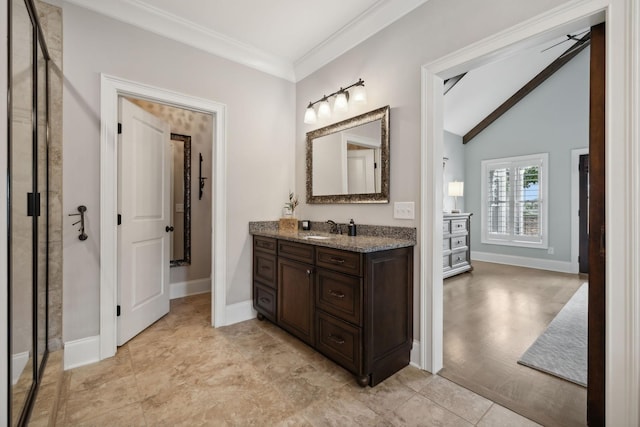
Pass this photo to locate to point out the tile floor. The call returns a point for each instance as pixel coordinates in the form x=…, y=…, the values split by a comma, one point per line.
x=180, y=371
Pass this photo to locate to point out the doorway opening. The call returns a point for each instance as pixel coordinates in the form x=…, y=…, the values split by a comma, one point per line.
x=540, y=29
x=111, y=89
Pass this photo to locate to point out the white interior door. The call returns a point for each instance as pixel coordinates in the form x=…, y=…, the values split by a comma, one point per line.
x=360, y=171
x=144, y=205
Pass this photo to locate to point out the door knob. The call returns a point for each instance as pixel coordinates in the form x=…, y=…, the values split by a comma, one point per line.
x=168, y=228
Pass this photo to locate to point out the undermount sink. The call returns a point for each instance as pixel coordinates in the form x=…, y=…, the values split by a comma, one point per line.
x=318, y=237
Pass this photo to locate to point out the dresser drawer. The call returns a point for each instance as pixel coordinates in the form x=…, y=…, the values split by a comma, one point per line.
x=335, y=259
x=458, y=226
x=458, y=242
x=446, y=261
x=264, y=301
x=458, y=258
x=264, y=244
x=296, y=251
x=264, y=268
x=339, y=341
x=339, y=294
x=446, y=226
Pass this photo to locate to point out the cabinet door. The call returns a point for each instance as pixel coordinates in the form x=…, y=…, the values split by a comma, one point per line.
x=295, y=299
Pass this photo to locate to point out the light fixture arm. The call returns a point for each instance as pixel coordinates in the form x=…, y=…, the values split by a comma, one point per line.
x=360, y=82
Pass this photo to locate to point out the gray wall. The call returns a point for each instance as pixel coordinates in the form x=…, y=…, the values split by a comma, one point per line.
x=260, y=132
x=390, y=63
x=552, y=119
x=454, y=170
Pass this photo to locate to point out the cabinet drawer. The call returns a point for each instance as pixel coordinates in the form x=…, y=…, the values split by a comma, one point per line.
x=297, y=251
x=264, y=301
x=265, y=244
x=458, y=258
x=458, y=242
x=339, y=294
x=339, y=341
x=446, y=226
x=458, y=226
x=335, y=259
x=264, y=268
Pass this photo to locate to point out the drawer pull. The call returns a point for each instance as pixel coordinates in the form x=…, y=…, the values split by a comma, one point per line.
x=336, y=294
x=459, y=258
x=264, y=300
x=337, y=260
x=336, y=339
x=265, y=267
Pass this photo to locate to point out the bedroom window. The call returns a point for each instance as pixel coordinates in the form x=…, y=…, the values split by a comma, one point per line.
x=514, y=201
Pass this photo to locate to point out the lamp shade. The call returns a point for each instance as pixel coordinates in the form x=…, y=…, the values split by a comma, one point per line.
x=359, y=95
x=341, y=104
x=310, y=116
x=324, y=110
x=456, y=189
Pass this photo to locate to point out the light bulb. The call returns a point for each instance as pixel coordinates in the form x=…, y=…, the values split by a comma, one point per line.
x=341, y=104
x=359, y=95
x=310, y=115
x=324, y=109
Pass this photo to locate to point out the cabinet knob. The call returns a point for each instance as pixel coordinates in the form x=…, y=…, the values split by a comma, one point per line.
x=308, y=272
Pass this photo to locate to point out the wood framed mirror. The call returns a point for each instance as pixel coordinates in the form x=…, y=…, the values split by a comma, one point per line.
x=348, y=162
x=181, y=200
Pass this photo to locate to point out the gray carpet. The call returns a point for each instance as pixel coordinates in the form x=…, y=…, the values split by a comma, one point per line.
x=562, y=349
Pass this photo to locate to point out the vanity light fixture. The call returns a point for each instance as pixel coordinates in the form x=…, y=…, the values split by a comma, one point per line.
x=341, y=104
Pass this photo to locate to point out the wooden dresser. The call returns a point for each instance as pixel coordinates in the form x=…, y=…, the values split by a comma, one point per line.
x=353, y=307
x=456, y=244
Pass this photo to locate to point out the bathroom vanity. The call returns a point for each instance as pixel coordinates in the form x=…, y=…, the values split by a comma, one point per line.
x=351, y=298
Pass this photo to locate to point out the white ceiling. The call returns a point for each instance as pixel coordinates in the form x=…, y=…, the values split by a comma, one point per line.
x=287, y=38
x=484, y=89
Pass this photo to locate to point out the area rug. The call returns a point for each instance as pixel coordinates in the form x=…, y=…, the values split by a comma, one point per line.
x=562, y=349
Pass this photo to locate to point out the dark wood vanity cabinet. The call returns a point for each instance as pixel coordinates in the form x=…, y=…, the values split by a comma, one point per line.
x=355, y=308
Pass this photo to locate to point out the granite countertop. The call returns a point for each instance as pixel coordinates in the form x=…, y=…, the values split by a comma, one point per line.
x=359, y=243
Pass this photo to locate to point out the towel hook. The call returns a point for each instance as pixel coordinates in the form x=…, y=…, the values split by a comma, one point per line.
x=81, y=209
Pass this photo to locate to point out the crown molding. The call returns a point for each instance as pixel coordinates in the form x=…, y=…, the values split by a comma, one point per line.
x=142, y=15
x=377, y=17
x=157, y=21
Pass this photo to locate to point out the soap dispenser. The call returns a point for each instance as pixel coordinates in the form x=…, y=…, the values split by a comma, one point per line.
x=352, y=228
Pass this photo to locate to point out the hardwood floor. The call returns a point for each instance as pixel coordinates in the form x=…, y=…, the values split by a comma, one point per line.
x=491, y=316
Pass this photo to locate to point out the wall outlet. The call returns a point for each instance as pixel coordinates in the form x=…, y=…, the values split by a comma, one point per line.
x=404, y=210
x=550, y=251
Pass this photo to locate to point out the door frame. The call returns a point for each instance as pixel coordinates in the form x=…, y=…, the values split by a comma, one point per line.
x=575, y=207
x=622, y=184
x=110, y=89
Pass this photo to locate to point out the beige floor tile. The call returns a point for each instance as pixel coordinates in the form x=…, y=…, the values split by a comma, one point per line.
x=385, y=397
x=499, y=416
x=413, y=377
x=109, y=396
x=458, y=400
x=420, y=411
x=128, y=416
x=94, y=375
x=340, y=408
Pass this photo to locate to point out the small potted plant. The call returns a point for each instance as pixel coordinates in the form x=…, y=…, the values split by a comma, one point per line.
x=289, y=222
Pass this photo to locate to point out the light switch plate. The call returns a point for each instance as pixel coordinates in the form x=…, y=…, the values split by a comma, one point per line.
x=404, y=210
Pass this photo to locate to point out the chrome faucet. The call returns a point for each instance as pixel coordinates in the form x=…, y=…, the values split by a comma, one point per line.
x=335, y=228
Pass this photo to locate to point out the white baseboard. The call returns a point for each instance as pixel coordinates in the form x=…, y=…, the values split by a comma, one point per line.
x=18, y=362
x=239, y=312
x=415, y=354
x=191, y=287
x=539, y=263
x=81, y=352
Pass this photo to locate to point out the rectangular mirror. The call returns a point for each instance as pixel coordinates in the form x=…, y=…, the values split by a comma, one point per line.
x=348, y=162
x=181, y=200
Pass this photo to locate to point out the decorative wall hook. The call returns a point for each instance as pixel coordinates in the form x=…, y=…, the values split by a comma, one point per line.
x=81, y=209
x=202, y=178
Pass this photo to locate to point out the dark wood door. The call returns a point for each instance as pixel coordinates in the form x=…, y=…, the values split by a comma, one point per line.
x=295, y=299
x=596, y=316
x=583, y=228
